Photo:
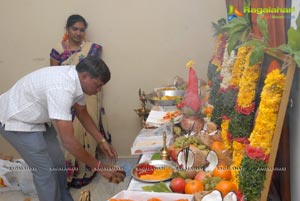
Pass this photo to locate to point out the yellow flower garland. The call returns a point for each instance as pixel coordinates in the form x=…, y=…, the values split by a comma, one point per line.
x=237, y=156
x=265, y=123
x=238, y=66
x=224, y=131
x=247, y=85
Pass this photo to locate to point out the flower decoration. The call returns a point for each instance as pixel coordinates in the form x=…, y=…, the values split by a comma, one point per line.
x=265, y=123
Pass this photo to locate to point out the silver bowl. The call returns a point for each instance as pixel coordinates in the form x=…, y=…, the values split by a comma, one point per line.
x=155, y=97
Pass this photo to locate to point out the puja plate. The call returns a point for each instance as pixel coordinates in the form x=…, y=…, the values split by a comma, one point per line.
x=174, y=96
x=157, y=164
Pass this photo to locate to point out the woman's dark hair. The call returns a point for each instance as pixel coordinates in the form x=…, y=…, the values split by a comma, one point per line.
x=96, y=68
x=75, y=18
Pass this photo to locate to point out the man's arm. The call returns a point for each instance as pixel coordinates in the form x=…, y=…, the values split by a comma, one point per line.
x=66, y=133
x=88, y=123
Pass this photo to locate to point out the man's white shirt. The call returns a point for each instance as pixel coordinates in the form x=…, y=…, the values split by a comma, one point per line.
x=40, y=97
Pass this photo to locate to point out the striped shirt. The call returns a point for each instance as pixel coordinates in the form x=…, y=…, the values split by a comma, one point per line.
x=40, y=97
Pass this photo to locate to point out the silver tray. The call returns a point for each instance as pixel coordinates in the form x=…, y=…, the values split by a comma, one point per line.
x=151, y=97
x=156, y=163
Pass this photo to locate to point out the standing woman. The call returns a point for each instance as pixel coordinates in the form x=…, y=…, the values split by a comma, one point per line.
x=70, y=51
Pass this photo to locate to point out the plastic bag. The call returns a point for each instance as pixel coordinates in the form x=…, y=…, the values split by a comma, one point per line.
x=16, y=175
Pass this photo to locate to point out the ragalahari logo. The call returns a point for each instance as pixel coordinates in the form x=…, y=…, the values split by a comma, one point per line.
x=233, y=13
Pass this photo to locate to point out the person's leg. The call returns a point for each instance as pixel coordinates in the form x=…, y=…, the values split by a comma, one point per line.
x=59, y=163
x=33, y=149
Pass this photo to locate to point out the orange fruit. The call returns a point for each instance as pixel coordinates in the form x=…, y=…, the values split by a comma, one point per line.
x=217, y=146
x=154, y=199
x=193, y=186
x=222, y=171
x=225, y=187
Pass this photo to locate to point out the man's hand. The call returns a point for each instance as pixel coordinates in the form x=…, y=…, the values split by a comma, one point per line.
x=109, y=151
x=113, y=174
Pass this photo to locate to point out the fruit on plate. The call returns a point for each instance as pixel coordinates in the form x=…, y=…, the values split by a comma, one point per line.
x=144, y=169
x=193, y=186
x=222, y=171
x=210, y=183
x=177, y=185
x=225, y=187
x=200, y=176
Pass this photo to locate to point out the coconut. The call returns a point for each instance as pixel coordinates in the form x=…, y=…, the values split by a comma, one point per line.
x=181, y=159
x=190, y=174
x=200, y=157
x=208, y=196
x=212, y=158
x=211, y=127
x=204, y=138
x=231, y=196
x=224, y=157
x=216, y=136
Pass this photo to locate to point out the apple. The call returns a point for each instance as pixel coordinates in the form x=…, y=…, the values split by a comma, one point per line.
x=174, y=154
x=177, y=185
x=201, y=175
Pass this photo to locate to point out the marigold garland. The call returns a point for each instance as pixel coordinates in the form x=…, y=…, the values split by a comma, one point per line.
x=247, y=85
x=265, y=123
x=224, y=133
x=242, y=117
x=237, y=156
x=238, y=67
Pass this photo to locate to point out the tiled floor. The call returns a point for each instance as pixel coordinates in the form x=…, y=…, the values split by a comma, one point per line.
x=100, y=188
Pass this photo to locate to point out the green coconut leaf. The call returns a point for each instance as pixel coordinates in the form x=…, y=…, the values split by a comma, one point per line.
x=297, y=58
x=298, y=22
x=293, y=39
x=233, y=41
x=218, y=27
x=263, y=27
x=244, y=36
x=257, y=55
x=253, y=42
x=285, y=48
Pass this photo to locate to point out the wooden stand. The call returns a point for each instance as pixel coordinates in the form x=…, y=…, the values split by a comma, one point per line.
x=281, y=116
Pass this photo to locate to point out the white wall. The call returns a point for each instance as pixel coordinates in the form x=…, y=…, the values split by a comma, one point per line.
x=146, y=44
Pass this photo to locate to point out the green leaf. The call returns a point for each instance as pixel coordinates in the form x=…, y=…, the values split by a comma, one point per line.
x=293, y=39
x=297, y=59
x=235, y=29
x=285, y=48
x=263, y=27
x=298, y=22
x=244, y=36
x=232, y=41
x=155, y=156
x=253, y=42
x=222, y=21
x=157, y=187
x=257, y=55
